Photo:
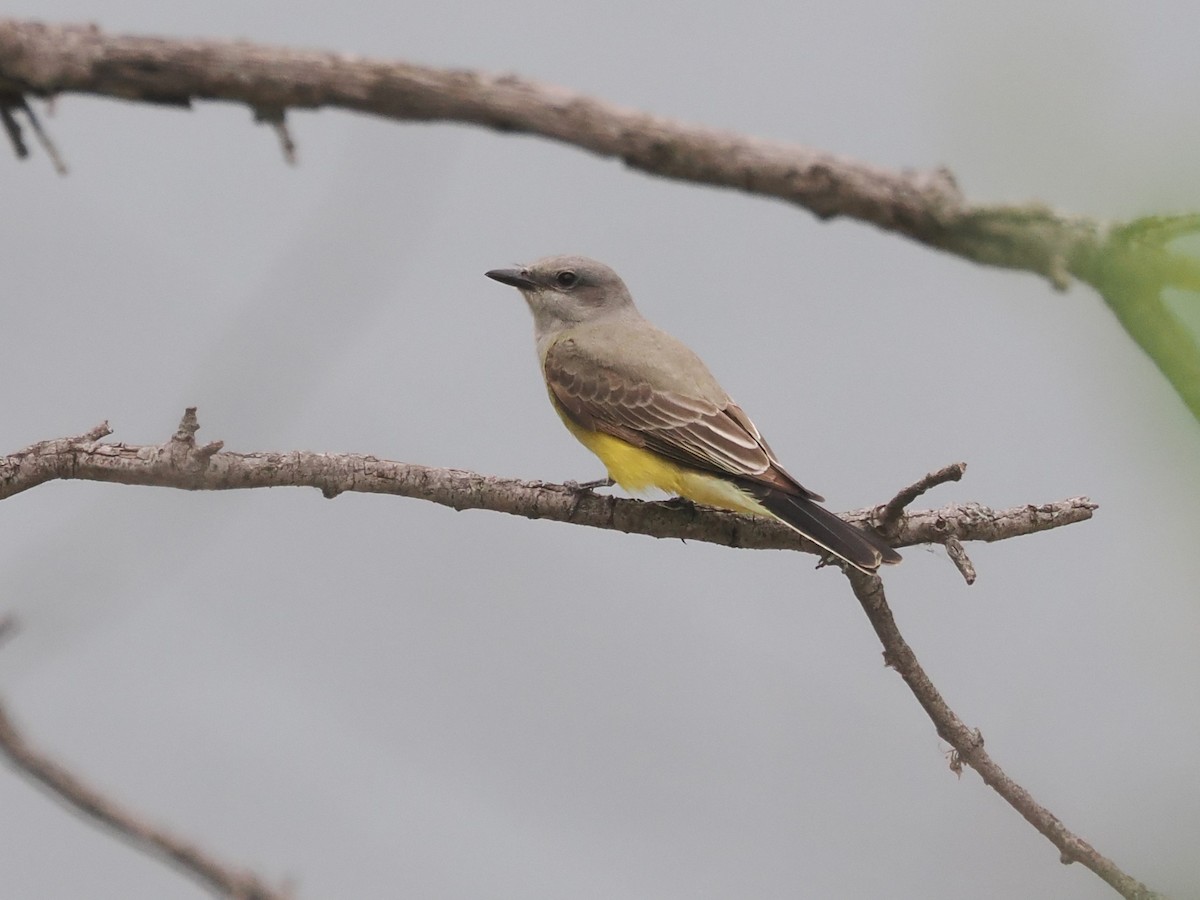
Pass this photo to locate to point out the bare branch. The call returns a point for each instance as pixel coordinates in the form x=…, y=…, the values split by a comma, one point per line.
x=44, y=139
x=1124, y=263
x=12, y=128
x=968, y=743
x=90, y=803
x=896, y=506
x=926, y=206
x=276, y=117
x=182, y=463
x=9, y=102
x=962, y=562
x=1129, y=265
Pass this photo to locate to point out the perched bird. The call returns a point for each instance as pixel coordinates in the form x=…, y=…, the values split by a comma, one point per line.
x=649, y=408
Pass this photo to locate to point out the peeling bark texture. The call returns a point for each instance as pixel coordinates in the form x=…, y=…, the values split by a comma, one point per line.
x=182, y=463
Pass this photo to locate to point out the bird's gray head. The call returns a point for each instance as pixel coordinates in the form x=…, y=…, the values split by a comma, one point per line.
x=568, y=290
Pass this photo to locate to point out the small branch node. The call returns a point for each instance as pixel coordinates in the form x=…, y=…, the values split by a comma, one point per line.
x=1059, y=273
x=182, y=450
x=276, y=117
x=9, y=102
x=99, y=432
x=894, y=508
x=43, y=138
x=286, y=144
x=958, y=555
x=188, y=426
x=329, y=492
x=208, y=451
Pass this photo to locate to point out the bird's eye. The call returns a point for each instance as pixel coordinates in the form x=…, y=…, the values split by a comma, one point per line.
x=566, y=279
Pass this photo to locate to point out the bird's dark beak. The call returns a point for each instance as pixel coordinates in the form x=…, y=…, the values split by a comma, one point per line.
x=516, y=277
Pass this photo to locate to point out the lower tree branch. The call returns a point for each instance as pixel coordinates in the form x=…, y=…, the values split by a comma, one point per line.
x=182, y=463
x=1128, y=264
x=87, y=801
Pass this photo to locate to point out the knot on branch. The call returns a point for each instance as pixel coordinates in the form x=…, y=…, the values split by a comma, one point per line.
x=183, y=453
x=959, y=517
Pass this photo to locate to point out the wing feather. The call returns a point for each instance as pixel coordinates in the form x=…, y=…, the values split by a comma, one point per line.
x=691, y=430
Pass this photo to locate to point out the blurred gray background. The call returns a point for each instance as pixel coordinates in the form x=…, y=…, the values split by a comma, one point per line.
x=381, y=698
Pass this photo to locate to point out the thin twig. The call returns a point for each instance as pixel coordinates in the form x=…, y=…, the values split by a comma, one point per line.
x=276, y=117
x=896, y=506
x=12, y=128
x=90, y=803
x=43, y=138
x=967, y=743
x=926, y=206
x=962, y=562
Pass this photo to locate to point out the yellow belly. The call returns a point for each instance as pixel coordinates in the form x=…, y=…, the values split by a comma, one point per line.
x=638, y=470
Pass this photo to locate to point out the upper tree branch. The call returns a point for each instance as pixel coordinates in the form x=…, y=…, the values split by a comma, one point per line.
x=927, y=206
x=1126, y=265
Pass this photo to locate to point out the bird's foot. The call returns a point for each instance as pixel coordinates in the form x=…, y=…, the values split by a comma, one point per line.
x=681, y=503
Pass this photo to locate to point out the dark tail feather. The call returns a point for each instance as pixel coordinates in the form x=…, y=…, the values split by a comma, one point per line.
x=862, y=549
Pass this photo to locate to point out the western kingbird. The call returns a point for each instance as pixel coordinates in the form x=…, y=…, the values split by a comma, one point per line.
x=649, y=408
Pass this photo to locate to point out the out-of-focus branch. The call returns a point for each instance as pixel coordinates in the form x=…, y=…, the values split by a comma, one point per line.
x=968, y=743
x=1127, y=264
x=927, y=206
x=183, y=463
x=56, y=778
